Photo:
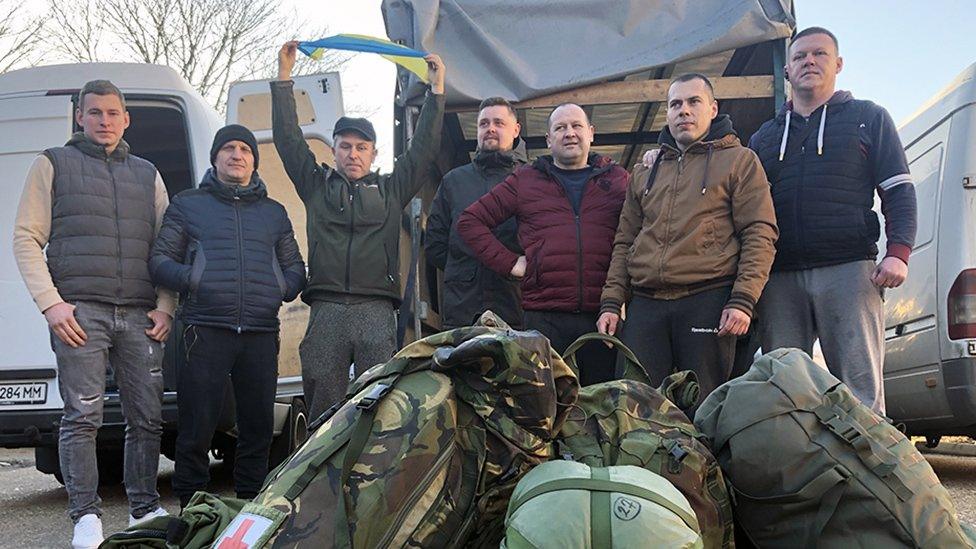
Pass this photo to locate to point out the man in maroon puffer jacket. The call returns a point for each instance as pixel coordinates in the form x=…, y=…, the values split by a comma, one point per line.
x=567, y=206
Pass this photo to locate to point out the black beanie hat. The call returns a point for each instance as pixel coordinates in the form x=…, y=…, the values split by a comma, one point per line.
x=234, y=132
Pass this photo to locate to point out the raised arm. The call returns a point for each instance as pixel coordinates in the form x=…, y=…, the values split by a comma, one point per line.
x=299, y=161
x=413, y=168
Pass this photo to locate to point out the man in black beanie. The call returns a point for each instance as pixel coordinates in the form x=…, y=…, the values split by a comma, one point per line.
x=231, y=253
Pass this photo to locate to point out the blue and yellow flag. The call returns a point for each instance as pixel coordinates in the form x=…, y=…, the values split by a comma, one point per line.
x=410, y=59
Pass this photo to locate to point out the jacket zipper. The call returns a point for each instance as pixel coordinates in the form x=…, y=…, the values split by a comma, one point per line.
x=667, y=231
x=118, y=227
x=796, y=202
x=579, y=233
x=352, y=231
x=579, y=258
x=240, y=264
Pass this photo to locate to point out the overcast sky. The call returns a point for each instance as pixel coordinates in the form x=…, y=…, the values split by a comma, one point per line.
x=897, y=53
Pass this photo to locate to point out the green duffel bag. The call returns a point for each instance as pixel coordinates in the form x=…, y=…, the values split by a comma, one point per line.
x=808, y=465
x=568, y=505
x=627, y=422
x=204, y=518
x=428, y=447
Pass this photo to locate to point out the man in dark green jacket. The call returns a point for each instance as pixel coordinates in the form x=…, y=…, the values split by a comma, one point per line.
x=353, y=226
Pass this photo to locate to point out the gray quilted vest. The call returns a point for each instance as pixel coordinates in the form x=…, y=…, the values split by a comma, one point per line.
x=103, y=221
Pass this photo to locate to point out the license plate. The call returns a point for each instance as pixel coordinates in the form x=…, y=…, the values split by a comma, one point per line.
x=23, y=393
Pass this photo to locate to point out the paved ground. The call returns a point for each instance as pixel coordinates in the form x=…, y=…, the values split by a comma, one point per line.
x=32, y=504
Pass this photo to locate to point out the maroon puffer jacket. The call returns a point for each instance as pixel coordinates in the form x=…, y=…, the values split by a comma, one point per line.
x=567, y=255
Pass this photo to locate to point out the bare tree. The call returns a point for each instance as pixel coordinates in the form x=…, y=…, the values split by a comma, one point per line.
x=211, y=43
x=82, y=25
x=19, y=36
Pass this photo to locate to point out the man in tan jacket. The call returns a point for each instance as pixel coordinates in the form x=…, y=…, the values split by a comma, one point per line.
x=694, y=245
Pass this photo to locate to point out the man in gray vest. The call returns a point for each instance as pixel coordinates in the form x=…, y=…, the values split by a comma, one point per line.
x=97, y=209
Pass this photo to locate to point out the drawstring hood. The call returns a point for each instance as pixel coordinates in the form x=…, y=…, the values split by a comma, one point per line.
x=720, y=134
x=786, y=135
x=787, y=112
x=823, y=122
x=708, y=159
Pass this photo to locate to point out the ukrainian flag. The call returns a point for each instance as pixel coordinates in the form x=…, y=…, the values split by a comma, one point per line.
x=410, y=59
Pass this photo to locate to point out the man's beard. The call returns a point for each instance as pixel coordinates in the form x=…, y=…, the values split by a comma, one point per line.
x=492, y=146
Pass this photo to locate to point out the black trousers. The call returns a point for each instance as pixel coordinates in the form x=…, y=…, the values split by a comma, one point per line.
x=251, y=361
x=679, y=334
x=597, y=362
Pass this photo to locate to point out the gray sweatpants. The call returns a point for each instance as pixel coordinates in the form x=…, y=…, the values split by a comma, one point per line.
x=841, y=306
x=340, y=334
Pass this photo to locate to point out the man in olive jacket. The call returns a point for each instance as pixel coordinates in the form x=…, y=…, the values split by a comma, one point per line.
x=469, y=287
x=353, y=226
x=694, y=245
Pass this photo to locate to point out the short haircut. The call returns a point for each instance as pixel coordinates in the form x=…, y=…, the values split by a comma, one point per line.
x=689, y=76
x=559, y=106
x=497, y=102
x=818, y=30
x=99, y=87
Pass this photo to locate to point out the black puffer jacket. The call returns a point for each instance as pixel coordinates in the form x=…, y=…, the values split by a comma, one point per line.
x=470, y=288
x=231, y=253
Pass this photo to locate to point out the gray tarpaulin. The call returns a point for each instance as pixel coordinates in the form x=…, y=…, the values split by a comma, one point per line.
x=522, y=49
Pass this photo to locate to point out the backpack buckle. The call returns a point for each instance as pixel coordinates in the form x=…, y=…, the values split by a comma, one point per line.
x=375, y=394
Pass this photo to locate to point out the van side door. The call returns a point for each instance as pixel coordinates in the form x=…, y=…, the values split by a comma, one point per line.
x=914, y=385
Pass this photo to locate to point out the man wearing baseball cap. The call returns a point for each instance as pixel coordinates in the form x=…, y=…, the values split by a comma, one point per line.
x=231, y=253
x=353, y=229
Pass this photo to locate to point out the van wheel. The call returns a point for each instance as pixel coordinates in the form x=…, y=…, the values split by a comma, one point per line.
x=292, y=436
x=931, y=441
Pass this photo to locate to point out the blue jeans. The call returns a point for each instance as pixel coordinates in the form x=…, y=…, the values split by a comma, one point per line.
x=116, y=336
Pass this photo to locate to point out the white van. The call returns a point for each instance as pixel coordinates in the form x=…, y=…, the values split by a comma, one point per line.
x=172, y=126
x=930, y=321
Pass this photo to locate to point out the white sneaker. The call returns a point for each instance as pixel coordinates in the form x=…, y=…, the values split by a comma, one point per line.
x=88, y=532
x=159, y=512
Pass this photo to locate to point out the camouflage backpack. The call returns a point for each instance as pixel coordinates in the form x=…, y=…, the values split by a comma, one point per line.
x=627, y=422
x=810, y=466
x=427, y=448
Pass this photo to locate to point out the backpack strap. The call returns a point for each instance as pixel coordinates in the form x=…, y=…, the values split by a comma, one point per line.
x=632, y=366
x=717, y=490
x=357, y=443
x=601, y=528
x=878, y=459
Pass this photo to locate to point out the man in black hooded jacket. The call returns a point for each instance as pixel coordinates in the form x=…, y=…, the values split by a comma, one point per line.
x=231, y=253
x=469, y=287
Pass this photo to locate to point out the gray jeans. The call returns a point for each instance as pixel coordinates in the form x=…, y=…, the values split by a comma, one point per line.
x=340, y=334
x=839, y=305
x=116, y=337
